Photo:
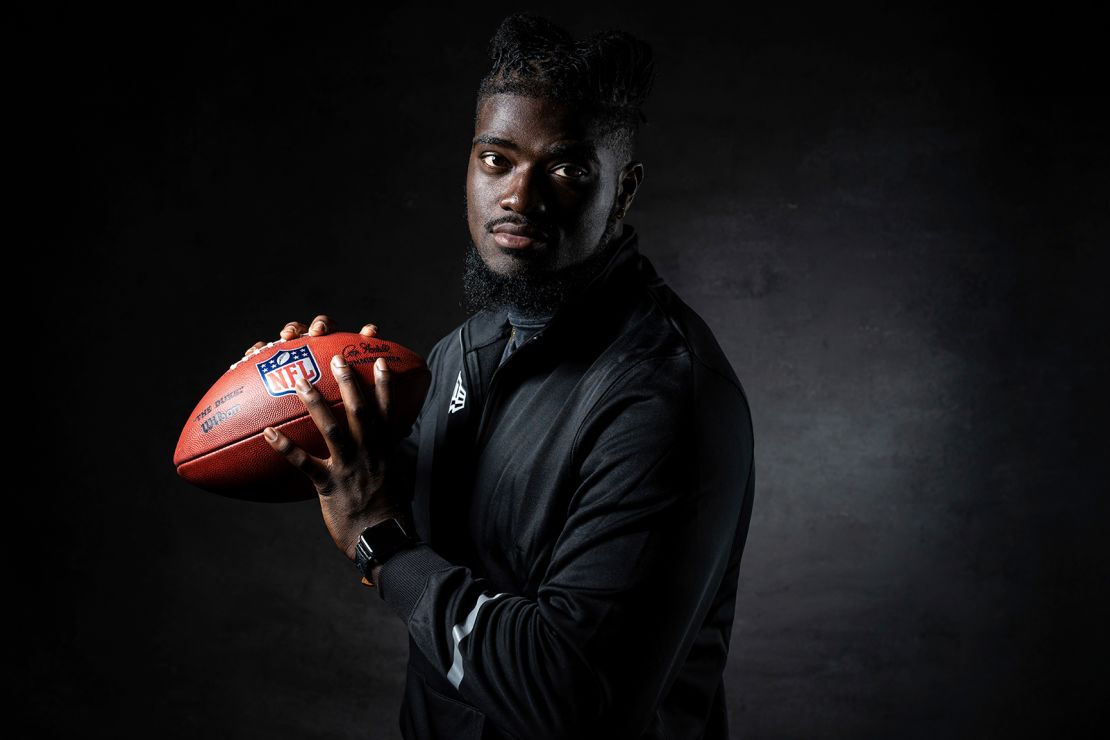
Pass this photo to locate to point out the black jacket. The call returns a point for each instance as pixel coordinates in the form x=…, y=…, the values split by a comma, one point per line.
x=584, y=508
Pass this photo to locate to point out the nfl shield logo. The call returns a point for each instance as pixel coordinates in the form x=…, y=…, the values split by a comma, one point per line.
x=280, y=372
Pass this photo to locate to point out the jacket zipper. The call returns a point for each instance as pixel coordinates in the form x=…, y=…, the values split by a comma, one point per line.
x=487, y=402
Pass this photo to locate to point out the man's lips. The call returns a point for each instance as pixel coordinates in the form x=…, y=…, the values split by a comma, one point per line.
x=518, y=236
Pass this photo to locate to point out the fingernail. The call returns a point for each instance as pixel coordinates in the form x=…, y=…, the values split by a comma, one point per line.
x=269, y=434
x=338, y=361
x=302, y=385
x=319, y=326
x=379, y=364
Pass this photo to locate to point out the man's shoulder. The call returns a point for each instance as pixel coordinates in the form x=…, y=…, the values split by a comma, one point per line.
x=663, y=332
x=666, y=363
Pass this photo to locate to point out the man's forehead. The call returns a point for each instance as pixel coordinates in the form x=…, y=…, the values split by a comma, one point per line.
x=518, y=122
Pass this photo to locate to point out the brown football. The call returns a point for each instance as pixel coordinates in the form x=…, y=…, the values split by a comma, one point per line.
x=221, y=448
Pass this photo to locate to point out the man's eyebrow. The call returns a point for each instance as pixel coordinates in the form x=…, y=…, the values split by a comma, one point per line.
x=585, y=149
x=494, y=141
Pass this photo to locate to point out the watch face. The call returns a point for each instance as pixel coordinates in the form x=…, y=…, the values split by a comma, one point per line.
x=384, y=539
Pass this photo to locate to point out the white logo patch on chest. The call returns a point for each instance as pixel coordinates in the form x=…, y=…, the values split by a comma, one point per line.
x=458, y=396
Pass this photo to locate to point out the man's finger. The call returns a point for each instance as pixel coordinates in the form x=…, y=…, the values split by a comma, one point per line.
x=337, y=439
x=257, y=345
x=292, y=330
x=369, y=330
x=361, y=415
x=322, y=324
x=311, y=466
x=383, y=391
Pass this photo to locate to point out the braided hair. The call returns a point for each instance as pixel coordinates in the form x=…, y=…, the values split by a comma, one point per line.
x=609, y=74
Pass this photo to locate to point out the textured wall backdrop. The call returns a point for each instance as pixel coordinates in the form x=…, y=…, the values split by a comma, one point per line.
x=895, y=224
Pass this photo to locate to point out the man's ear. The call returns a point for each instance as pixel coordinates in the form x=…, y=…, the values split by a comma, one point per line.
x=631, y=177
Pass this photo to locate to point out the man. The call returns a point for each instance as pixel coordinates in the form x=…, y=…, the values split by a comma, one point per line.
x=561, y=531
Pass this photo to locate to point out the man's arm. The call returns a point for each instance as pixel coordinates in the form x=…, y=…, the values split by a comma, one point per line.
x=664, y=462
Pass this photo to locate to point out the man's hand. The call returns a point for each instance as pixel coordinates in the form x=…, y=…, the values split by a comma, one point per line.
x=351, y=483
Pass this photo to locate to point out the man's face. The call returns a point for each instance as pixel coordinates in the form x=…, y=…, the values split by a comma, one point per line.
x=541, y=196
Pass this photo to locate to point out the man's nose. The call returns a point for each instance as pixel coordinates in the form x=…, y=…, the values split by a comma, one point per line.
x=524, y=193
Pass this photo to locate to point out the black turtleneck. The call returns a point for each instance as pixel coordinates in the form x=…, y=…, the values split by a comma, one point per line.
x=524, y=327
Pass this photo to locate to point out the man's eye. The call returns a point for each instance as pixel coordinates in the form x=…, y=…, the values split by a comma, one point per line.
x=489, y=158
x=572, y=171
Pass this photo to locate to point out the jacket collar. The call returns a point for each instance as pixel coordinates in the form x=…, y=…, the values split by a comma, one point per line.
x=623, y=267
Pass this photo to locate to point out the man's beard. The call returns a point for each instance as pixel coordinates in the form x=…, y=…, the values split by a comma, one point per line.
x=532, y=293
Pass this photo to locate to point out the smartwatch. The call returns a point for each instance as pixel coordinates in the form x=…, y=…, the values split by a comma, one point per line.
x=377, y=543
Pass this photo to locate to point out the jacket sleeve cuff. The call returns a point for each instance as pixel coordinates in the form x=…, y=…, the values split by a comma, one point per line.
x=404, y=576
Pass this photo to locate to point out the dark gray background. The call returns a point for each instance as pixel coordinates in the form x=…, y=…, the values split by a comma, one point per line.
x=894, y=222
